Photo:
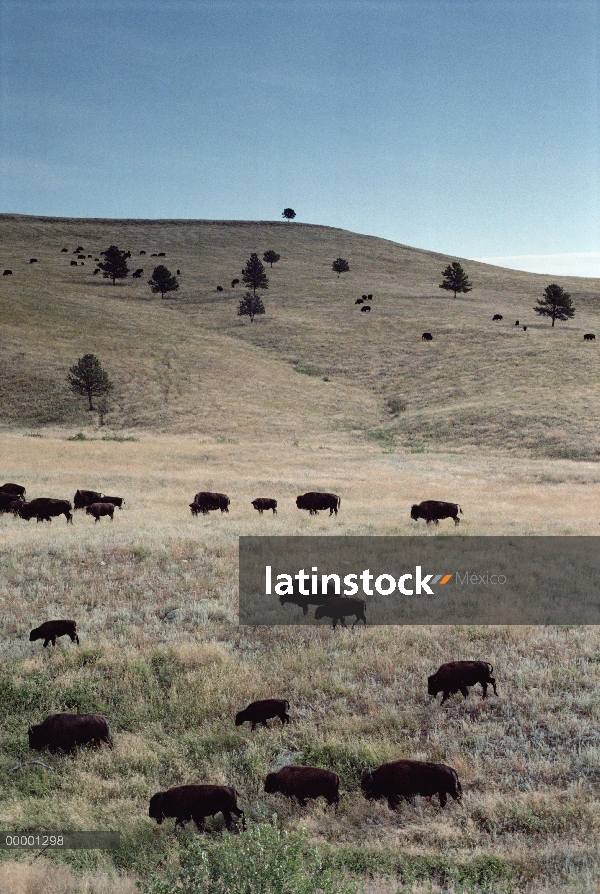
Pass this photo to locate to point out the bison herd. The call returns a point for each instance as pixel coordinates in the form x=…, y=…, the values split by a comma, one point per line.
x=393, y=781
x=12, y=499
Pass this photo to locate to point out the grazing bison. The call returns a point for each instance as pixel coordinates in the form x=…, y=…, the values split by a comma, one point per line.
x=50, y=630
x=395, y=780
x=7, y=502
x=7, y=273
x=427, y=336
x=261, y=711
x=45, y=509
x=73, y=263
x=434, y=510
x=301, y=783
x=10, y=488
x=65, y=732
x=497, y=317
x=187, y=802
x=206, y=502
x=64, y=249
x=100, y=509
x=360, y=300
x=219, y=288
x=84, y=498
x=589, y=336
x=33, y=260
x=456, y=676
x=337, y=607
x=137, y=273
x=316, y=500
x=303, y=600
x=365, y=309
x=262, y=503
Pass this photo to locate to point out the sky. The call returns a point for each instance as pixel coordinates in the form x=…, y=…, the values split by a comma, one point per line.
x=468, y=127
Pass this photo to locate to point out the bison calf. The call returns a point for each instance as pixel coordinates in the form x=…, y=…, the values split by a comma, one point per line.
x=64, y=732
x=262, y=503
x=50, y=630
x=337, y=607
x=100, y=509
x=261, y=711
x=186, y=802
x=395, y=780
x=456, y=676
x=301, y=783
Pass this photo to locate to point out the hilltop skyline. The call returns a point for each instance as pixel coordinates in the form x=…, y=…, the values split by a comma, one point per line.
x=465, y=128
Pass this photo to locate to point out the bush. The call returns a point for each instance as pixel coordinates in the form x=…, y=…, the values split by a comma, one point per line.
x=261, y=860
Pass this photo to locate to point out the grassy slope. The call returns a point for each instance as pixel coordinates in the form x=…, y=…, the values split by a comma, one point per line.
x=191, y=365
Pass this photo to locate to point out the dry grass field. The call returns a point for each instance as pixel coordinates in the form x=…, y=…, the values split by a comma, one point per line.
x=503, y=423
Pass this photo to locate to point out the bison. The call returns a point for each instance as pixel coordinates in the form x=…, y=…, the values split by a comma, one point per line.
x=100, y=509
x=50, y=630
x=8, y=501
x=517, y=323
x=186, y=802
x=7, y=273
x=116, y=501
x=589, y=336
x=261, y=711
x=365, y=309
x=45, y=509
x=497, y=317
x=303, y=601
x=65, y=732
x=337, y=607
x=315, y=501
x=262, y=503
x=301, y=783
x=84, y=498
x=458, y=675
x=434, y=510
x=10, y=488
x=427, y=336
x=360, y=300
x=33, y=260
x=206, y=502
x=395, y=780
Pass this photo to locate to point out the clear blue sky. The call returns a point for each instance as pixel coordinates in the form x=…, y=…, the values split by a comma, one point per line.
x=469, y=127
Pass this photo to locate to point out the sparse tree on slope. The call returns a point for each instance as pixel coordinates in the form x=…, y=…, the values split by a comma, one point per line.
x=271, y=257
x=87, y=377
x=163, y=281
x=340, y=266
x=114, y=265
x=251, y=306
x=253, y=274
x=289, y=214
x=556, y=304
x=455, y=279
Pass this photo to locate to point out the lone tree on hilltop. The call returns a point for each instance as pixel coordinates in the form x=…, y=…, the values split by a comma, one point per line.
x=556, y=304
x=340, y=266
x=114, y=265
x=87, y=377
x=253, y=274
x=271, y=257
x=251, y=306
x=163, y=281
x=455, y=279
x=289, y=214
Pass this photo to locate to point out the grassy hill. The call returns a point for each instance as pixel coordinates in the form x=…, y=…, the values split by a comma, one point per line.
x=313, y=361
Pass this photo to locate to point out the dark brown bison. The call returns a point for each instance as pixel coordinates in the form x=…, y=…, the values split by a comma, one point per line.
x=456, y=676
x=261, y=711
x=116, y=501
x=50, y=630
x=195, y=802
x=303, y=601
x=100, y=509
x=589, y=336
x=7, y=502
x=365, y=309
x=10, y=488
x=206, y=502
x=45, y=509
x=7, y=273
x=360, y=300
x=84, y=498
x=262, y=503
x=427, y=336
x=338, y=607
x=517, y=323
x=497, y=317
x=434, y=510
x=395, y=780
x=65, y=732
x=301, y=783
x=316, y=500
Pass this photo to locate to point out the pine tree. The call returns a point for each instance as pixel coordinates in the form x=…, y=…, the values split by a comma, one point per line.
x=271, y=257
x=251, y=306
x=455, y=279
x=163, y=281
x=340, y=266
x=115, y=263
x=254, y=275
x=289, y=214
x=87, y=377
x=556, y=304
